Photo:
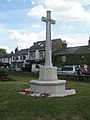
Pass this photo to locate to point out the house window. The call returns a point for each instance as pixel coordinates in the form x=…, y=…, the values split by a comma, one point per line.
x=20, y=57
x=17, y=58
x=32, y=55
x=63, y=58
x=13, y=58
x=0, y=59
x=24, y=57
x=82, y=58
x=8, y=59
x=41, y=54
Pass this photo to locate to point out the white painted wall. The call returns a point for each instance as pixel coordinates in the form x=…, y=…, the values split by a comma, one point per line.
x=10, y=60
x=3, y=60
x=37, y=54
x=6, y=60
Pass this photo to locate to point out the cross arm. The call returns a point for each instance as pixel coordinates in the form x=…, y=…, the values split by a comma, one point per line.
x=46, y=20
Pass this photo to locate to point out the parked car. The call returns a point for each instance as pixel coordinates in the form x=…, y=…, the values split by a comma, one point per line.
x=18, y=69
x=36, y=68
x=12, y=68
x=85, y=71
x=15, y=69
x=67, y=70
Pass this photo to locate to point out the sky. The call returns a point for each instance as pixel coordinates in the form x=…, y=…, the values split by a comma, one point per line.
x=21, y=25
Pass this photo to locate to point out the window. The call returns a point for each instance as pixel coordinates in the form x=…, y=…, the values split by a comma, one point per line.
x=41, y=54
x=82, y=58
x=17, y=58
x=8, y=59
x=0, y=59
x=67, y=68
x=20, y=57
x=24, y=57
x=32, y=54
x=63, y=58
x=41, y=45
x=13, y=58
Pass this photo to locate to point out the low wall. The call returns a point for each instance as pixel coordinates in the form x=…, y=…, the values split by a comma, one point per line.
x=24, y=74
x=82, y=78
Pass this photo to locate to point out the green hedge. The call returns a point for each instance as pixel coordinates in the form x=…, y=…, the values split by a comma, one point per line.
x=72, y=59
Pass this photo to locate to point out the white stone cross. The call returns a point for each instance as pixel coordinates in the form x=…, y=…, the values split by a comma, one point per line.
x=48, y=53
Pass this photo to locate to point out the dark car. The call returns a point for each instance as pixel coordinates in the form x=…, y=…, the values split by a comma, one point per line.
x=12, y=69
x=85, y=71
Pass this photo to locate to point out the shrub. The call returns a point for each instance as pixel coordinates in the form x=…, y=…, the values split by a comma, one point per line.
x=4, y=75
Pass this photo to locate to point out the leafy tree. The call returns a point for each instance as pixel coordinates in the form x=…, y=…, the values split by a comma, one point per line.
x=2, y=50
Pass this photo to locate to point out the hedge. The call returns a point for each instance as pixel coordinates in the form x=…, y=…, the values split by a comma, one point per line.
x=4, y=75
x=72, y=59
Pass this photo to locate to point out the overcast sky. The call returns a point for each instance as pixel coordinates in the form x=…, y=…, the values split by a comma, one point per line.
x=21, y=25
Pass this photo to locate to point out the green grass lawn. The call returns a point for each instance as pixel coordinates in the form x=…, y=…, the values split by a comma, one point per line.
x=15, y=106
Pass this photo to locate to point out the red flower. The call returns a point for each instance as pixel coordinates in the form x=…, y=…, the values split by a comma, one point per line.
x=29, y=92
x=23, y=90
x=26, y=91
x=44, y=94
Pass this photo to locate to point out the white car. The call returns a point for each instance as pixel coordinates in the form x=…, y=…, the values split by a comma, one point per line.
x=36, y=68
x=67, y=70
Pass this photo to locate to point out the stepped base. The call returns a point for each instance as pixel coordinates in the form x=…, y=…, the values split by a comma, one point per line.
x=54, y=88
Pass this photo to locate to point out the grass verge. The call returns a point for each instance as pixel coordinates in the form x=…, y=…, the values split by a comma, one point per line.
x=14, y=106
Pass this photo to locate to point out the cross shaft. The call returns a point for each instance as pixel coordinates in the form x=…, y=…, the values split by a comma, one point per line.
x=48, y=54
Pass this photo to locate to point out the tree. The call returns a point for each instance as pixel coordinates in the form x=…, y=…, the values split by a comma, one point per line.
x=2, y=50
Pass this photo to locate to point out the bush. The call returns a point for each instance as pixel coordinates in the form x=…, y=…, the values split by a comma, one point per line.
x=4, y=75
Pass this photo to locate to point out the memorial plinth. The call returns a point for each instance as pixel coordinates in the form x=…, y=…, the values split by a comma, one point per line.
x=48, y=81
x=48, y=73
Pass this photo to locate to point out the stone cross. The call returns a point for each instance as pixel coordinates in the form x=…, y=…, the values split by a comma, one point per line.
x=48, y=53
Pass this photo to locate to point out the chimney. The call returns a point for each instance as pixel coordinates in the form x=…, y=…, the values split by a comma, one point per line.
x=64, y=45
x=16, y=49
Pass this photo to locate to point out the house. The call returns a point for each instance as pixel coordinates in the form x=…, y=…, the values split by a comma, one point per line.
x=36, y=53
x=33, y=55
x=78, y=55
x=19, y=58
x=61, y=54
x=5, y=59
